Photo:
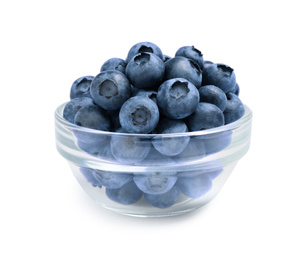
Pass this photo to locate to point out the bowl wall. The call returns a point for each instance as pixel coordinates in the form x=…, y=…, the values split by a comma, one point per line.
x=152, y=175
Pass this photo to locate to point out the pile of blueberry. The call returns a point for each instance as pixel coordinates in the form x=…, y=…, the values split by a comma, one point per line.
x=152, y=93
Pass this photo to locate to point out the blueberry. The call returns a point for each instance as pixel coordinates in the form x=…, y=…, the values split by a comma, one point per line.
x=88, y=175
x=128, y=194
x=72, y=107
x=113, y=116
x=216, y=142
x=166, y=58
x=139, y=115
x=94, y=145
x=145, y=71
x=129, y=149
x=81, y=87
x=112, y=180
x=206, y=64
x=152, y=94
x=105, y=153
x=144, y=47
x=195, y=150
x=155, y=158
x=156, y=182
x=164, y=200
x=191, y=52
x=234, y=108
x=220, y=75
x=114, y=64
x=206, y=116
x=92, y=117
x=170, y=145
x=195, y=186
x=181, y=67
x=214, y=173
x=236, y=90
x=110, y=89
x=214, y=95
x=177, y=98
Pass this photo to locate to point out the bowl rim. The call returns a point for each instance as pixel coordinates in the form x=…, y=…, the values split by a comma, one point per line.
x=247, y=116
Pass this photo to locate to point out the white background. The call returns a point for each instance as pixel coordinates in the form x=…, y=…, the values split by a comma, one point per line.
x=46, y=45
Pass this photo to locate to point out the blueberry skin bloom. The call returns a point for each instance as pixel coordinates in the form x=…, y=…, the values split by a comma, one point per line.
x=144, y=47
x=206, y=116
x=145, y=71
x=139, y=115
x=214, y=95
x=110, y=89
x=72, y=107
x=191, y=52
x=114, y=64
x=81, y=87
x=181, y=67
x=220, y=75
x=234, y=108
x=177, y=98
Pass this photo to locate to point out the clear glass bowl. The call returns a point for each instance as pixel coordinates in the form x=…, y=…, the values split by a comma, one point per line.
x=152, y=175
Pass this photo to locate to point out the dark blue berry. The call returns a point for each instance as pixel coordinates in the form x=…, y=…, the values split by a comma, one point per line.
x=72, y=107
x=206, y=116
x=114, y=64
x=144, y=47
x=220, y=75
x=214, y=95
x=177, y=98
x=81, y=87
x=92, y=117
x=181, y=67
x=145, y=71
x=139, y=115
x=110, y=89
x=234, y=108
x=191, y=52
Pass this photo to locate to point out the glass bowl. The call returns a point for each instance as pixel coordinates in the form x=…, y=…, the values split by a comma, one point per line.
x=152, y=175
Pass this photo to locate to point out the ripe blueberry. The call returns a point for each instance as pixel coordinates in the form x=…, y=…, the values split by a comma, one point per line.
x=206, y=116
x=145, y=71
x=139, y=115
x=220, y=75
x=114, y=64
x=181, y=67
x=81, y=87
x=144, y=47
x=234, y=108
x=110, y=89
x=177, y=98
